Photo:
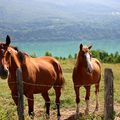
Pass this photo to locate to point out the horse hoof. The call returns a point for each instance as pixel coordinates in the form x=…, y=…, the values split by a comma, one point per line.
x=58, y=118
x=77, y=112
x=86, y=112
x=96, y=110
x=77, y=115
x=31, y=117
x=31, y=114
x=47, y=117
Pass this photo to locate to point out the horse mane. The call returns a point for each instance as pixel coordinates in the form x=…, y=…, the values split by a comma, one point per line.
x=17, y=49
x=77, y=60
x=20, y=57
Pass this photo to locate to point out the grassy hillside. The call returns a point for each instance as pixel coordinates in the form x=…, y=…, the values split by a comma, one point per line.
x=8, y=109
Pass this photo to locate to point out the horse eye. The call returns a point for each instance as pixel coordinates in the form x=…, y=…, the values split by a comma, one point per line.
x=3, y=51
x=83, y=55
x=90, y=55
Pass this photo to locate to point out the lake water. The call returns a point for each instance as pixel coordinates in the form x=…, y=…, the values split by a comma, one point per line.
x=64, y=48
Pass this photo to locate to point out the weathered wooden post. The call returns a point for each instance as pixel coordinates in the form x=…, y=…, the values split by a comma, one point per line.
x=109, y=94
x=20, y=94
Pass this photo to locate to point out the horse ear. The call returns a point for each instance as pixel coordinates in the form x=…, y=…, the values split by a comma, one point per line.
x=81, y=46
x=21, y=57
x=8, y=40
x=90, y=47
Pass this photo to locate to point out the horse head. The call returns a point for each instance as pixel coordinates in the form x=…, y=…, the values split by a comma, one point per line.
x=7, y=54
x=84, y=57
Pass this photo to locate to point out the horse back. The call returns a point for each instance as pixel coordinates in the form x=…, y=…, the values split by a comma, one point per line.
x=57, y=68
x=49, y=64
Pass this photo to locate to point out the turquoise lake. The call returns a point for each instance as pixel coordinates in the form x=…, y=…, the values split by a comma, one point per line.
x=64, y=48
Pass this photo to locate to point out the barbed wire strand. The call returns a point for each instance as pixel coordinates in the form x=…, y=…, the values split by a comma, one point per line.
x=39, y=85
x=44, y=85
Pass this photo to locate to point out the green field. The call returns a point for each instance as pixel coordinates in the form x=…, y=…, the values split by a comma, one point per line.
x=8, y=108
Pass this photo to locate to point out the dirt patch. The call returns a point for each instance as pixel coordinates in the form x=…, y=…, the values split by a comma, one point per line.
x=70, y=114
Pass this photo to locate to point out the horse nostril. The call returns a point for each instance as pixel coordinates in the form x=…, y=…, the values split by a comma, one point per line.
x=5, y=70
x=1, y=70
x=4, y=73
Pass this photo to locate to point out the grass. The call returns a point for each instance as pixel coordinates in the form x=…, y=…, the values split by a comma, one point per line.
x=8, y=108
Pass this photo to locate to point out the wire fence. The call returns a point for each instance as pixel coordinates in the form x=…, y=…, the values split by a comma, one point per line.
x=68, y=106
x=67, y=113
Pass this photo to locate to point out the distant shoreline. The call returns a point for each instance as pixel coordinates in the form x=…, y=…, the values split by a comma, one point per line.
x=64, y=48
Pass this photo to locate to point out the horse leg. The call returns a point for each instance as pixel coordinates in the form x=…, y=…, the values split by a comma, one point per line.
x=76, y=88
x=58, y=94
x=87, y=99
x=30, y=99
x=96, y=93
x=15, y=98
x=47, y=102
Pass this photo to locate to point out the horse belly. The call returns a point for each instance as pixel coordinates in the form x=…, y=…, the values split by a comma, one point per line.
x=44, y=82
x=36, y=88
x=41, y=78
x=41, y=89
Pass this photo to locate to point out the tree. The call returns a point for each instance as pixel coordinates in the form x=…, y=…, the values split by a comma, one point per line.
x=48, y=53
x=70, y=56
x=33, y=55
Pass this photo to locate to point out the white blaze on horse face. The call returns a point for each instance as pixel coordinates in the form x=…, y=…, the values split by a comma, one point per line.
x=90, y=67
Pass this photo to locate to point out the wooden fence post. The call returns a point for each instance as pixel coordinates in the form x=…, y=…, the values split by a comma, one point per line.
x=108, y=95
x=20, y=94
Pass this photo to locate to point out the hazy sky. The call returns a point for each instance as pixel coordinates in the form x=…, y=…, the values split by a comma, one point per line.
x=114, y=3
x=65, y=3
x=27, y=9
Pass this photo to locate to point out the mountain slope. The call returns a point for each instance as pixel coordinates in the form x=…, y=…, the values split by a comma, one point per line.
x=60, y=20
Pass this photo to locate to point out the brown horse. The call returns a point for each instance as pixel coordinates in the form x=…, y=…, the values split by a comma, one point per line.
x=39, y=75
x=87, y=71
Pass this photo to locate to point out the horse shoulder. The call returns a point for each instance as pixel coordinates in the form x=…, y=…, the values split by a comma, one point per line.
x=77, y=73
x=97, y=68
x=96, y=61
x=74, y=73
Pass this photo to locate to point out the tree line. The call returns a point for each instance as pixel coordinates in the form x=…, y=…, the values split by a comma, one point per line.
x=101, y=55
x=106, y=57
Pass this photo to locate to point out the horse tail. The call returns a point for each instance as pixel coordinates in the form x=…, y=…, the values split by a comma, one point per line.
x=60, y=81
x=99, y=64
x=61, y=76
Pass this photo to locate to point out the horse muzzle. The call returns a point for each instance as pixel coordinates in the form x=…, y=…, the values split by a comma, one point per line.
x=4, y=73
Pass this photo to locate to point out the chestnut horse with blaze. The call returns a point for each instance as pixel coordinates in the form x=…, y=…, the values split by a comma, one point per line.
x=87, y=71
x=39, y=75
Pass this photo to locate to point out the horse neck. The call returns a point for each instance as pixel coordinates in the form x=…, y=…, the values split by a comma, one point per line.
x=13, y=66
x=79, y=64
